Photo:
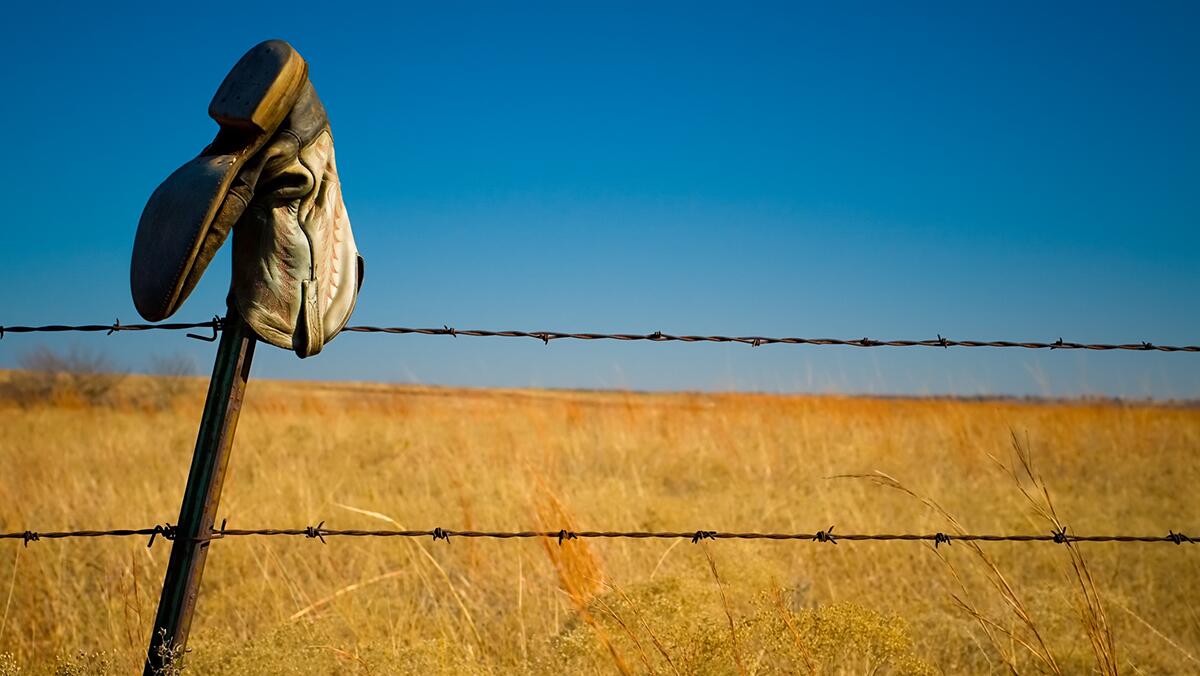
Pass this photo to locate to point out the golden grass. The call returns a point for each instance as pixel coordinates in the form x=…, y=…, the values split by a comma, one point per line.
x=366, y=456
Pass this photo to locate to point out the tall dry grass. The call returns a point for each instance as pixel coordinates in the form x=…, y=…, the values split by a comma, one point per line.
x=367, y=456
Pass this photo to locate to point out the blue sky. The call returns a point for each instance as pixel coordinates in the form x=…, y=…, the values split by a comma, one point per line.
x=1002, y=170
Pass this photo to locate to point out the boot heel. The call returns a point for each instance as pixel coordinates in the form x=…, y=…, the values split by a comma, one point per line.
x=259, y=91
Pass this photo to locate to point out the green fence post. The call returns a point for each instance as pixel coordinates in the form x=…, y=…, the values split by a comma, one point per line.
x=199, y=509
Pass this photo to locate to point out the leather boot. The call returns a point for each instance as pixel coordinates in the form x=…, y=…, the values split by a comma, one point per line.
x=189, y=216
x=296, y=270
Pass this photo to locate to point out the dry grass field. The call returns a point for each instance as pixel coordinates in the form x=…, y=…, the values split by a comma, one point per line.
x=366, y=456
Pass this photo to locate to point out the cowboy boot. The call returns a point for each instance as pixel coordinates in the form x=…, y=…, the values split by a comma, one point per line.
x=189, y=216
x=296, y=270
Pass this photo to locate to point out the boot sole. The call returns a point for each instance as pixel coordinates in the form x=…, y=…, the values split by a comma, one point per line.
x=253, y=100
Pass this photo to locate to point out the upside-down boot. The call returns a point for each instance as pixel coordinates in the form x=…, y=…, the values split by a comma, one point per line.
x=189, y=216
x=296, y=270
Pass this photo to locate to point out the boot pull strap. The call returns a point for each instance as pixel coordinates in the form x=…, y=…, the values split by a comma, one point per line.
x=310, y=336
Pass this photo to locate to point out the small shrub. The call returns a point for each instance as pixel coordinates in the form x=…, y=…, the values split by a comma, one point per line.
x=46, y=375
x=84, y=664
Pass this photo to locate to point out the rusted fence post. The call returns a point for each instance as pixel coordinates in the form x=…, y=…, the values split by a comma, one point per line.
x=199, y=509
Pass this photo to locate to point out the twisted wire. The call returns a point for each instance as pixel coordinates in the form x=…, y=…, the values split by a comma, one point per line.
x=828, y=535
x=215, y=325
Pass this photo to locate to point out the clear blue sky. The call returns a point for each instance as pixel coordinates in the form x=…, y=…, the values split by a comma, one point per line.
x=891, y=170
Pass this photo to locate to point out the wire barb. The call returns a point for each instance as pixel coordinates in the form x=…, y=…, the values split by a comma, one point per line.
x=1179, y=538
x=826, y=536
x=167, y=531
x=704, y=535
x=439, y=534
x=567, y=535
x=940, y=539
x=315, y=532
x=29, y=536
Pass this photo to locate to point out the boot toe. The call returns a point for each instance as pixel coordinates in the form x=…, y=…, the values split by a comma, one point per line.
x=173, y=226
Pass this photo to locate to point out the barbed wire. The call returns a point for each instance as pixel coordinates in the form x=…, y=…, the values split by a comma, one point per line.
x=215, y=325
x=169, y=532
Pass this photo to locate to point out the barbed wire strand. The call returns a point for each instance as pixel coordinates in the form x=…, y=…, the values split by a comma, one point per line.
x=168, y=532
x=215, y=325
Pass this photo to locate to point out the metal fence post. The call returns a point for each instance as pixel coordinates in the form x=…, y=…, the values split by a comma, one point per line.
x=199, y=508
